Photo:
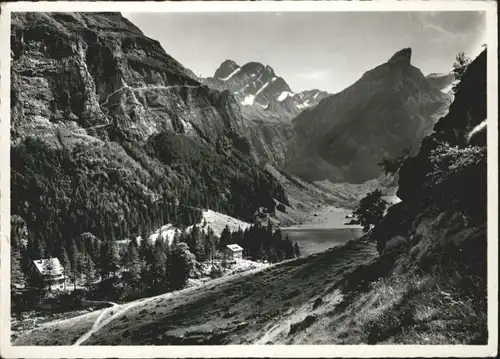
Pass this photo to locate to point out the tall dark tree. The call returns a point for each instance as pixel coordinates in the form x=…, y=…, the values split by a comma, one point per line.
x=17, y=277
x=109, y=259
x=134, y=264
x=370, y=210
x=87, y=269
x=49, y=267
x=65, y=262
x=180, y=265
x=288, y=248
x=225, y=237
x=210, y=244
x=159, y=268
x=460, y=66
x=296, y=250
x=74, y=260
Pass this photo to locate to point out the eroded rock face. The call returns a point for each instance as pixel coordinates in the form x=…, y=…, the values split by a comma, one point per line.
x=262, y=94
x=105, y=121
x=267, y=102
x=91, y=71
x=390, y=108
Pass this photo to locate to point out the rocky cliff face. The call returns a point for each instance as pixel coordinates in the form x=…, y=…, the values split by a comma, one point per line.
x=262, y=93
x=441, y=81
x=92, y=71
x=390, y=108
x=267, y=102
x=105, y=124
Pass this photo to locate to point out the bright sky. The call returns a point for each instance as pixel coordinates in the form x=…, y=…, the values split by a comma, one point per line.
x=324, y=50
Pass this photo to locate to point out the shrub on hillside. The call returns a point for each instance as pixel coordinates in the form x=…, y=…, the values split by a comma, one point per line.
x=458, y=178
x=447, y=160
x=216, y=272
x=370, y=210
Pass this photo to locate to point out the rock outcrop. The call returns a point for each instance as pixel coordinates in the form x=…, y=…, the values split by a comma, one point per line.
x=443, y=189
x=390, y=108
x=262, y=94
x=105, y=124
x=94, y=71
x=267, y=102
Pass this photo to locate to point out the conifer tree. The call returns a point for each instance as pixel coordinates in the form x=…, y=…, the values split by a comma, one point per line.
x=48, y=267
x=158, y=268
x=64, y=259
x=113, y=257
x=225, y=237
x=40, y=249
x=181, y=263
x=210, y=244
x=16, y=274
x=296, y=250
x=74, y=258
x=86, y=268
x=199, y=245
x=109, y=259
x=134, y=264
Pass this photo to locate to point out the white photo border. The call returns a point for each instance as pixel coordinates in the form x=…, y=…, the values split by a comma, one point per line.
x=227, y=351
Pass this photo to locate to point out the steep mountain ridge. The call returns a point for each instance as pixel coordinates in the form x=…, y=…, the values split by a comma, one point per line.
x=105, y=124
x=108, y=75
x=390, y=108
x=267, y=102
x=441, y=81
x=262, y=94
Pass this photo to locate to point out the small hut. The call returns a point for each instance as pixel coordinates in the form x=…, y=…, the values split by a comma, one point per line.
x=233, y=252
x=49, y=272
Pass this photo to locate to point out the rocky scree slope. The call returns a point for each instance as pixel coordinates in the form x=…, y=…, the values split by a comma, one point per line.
x=390, y=108
x=267, y=101
x=105, y=124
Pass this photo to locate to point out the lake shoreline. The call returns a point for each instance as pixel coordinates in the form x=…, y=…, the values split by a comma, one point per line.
x=323, y=229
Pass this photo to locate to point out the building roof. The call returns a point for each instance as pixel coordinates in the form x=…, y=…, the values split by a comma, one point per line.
x=234, y=247
x=41, y=266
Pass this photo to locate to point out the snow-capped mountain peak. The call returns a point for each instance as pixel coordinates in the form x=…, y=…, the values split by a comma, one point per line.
x=261, y=92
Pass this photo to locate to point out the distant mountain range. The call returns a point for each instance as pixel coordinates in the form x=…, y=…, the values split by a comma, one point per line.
x=261, y=93
x=390, y=108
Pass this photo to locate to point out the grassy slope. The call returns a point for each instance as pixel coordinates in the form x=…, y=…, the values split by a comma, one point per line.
x=240, y=309
x=345, y=295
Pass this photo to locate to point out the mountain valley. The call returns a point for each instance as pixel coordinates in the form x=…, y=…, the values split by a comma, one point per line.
x=139, y=175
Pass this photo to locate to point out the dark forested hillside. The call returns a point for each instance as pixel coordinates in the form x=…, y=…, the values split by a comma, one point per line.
x=111, y=136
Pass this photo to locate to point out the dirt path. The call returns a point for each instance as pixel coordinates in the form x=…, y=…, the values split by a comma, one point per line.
x=101, y=322
x=259, y=307
x=96, y=326
x=106, y=316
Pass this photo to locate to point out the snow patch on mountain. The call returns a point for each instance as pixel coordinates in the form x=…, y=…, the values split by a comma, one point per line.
x=262, y=88
x=230, y=75
x=248, y=101
x=447, y=89
x=284, y=95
